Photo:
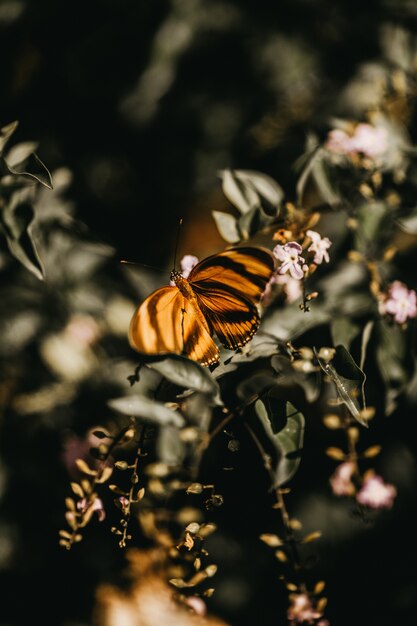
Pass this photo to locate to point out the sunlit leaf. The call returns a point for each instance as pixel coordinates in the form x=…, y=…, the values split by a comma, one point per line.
x=6, y=132
x=17, y=220
x=241, y=195
x=408, y=223
x=31, y=167
x=147, y=409
x=186, y=373
x=248, y=189
x=271, y=540
x=227, y=226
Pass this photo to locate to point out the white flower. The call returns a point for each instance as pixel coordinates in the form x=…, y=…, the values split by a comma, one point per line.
x=319, y=246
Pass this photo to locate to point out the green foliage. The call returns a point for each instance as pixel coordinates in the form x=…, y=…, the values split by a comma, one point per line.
x=19, y=169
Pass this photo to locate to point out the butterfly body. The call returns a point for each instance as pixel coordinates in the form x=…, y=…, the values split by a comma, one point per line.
x=220, y=295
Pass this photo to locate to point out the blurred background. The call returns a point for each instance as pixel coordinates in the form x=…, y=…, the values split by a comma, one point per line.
x=136, y=105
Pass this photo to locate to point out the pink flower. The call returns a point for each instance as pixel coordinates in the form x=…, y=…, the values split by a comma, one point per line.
x=338, y=141
x=75, y=447
x=319, y=246
x=187, y=263
x=291, y=287
x=96, y=505
x=366, y=139
x=83, y=330
x=376, y=494
x=370, y=141
x=399, y=302
x=302, y=610
x=341, y=482
x=290, y=258
x=197, y=605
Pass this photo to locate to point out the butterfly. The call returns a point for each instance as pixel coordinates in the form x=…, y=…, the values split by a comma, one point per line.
x=220, y=295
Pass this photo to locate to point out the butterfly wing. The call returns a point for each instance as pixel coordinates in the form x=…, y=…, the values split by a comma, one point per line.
x=167, y=322
x=228, y=287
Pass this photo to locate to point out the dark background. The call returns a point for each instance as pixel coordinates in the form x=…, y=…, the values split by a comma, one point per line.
x=145, y=102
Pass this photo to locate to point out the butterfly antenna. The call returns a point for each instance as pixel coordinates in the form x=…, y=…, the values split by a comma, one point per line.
x=176, y=243
x=152, y=267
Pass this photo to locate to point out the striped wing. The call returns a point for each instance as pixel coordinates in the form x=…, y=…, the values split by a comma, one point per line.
x=167, y=322
x=228, y=287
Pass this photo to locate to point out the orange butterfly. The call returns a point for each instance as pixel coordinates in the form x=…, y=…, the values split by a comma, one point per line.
x=220, y=295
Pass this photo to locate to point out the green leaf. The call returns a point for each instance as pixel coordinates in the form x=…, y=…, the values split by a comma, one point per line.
x=408, y=223
x=169, y=447
x=270, y=193
x=348, y=378
x=5, y=133
x=147, y=409
x=290, y=322
x=374, y=220
x=31, y=167
x=241, y=195
x=227, y=226
x=185, y=373
x=255, y=385
x=343, y=331
x=249, y=223
x=288, y=441
x=393, y=356
x=17, y=220
x=248, y=190
x=315, y=168
x=292, y=378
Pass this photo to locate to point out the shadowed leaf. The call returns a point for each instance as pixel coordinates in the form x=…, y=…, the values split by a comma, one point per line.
x=288, y=441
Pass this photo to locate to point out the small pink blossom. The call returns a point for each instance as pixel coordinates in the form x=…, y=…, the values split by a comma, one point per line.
x=290, y=258
x=369, y=140
x=197, y=605
x=376, y=494
x=96, y=505
x=75, y=447
x=341, y=479
x=83, y=330
x=319, y=246
x=124, y=503
x=338, y=141
x=187, y=263
x=366, y=139
x=400, y=302
x=302, y=610
x=291, y=288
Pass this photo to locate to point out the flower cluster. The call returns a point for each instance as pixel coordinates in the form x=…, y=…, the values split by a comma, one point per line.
x=365, y=140
x=399, y=302
x=373, y=493
x=293, y=267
